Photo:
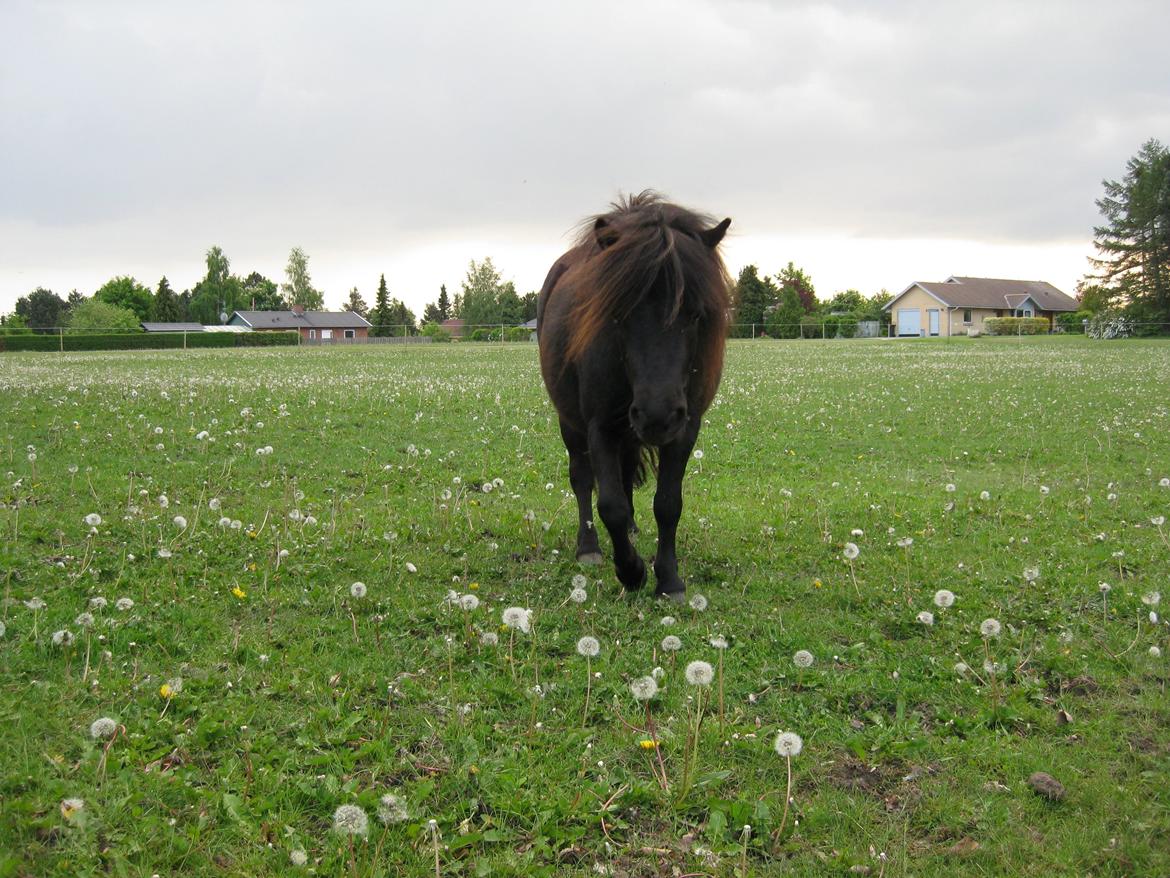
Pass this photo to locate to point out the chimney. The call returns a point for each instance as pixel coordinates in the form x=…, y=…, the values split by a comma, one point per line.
x=298, y=310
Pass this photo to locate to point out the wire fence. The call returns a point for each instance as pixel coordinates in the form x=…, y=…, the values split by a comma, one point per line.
x=807, y=329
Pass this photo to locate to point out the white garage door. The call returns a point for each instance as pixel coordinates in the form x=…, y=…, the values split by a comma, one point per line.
x=909, y=321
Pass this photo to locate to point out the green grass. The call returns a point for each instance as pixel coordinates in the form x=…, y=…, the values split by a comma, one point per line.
x=297, y=698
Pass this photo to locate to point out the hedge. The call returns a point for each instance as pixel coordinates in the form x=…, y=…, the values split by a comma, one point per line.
x=1016, y=325
x=146, y=341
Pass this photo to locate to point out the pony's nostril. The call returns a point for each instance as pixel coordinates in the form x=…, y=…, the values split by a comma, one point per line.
x=635, y=413
x=680, y=413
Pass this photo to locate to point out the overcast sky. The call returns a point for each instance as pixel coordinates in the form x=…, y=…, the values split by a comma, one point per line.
x=872, y=143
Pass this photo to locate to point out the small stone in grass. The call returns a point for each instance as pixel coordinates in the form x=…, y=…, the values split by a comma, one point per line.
x=1047, y=786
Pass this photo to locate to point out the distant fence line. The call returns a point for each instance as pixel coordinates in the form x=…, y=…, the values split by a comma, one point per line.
x=62, y=339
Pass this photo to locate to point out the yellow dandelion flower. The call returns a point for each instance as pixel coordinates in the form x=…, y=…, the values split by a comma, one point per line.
x=252, y=534
x=474, y=769
x=817, y=583
x=239, y=592
x=166, y=691
x=647, y=744
x=474, y=586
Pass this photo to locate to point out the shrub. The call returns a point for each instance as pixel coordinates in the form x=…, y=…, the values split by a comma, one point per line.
x=811, y=326
x=517, y=333
x=435, y=332
x=1015, y=325
x=1073, y=321
x=145, y=341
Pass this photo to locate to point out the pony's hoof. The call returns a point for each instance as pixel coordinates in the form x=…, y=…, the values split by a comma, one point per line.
x=636, y=582
x=675, y=597
x=589, y=558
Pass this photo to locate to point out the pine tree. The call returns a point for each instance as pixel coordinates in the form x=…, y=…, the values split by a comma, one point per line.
x=166, y=303
x=755, y=296
x=1135, y=241
x=444, y=304
x=380, y=316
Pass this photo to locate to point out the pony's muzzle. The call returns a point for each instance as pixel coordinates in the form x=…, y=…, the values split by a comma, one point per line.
x=658, y=424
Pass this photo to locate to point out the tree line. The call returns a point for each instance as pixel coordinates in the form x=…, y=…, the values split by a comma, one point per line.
x=786, y=305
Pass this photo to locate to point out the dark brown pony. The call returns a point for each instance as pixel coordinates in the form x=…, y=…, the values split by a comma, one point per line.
x=632, y=322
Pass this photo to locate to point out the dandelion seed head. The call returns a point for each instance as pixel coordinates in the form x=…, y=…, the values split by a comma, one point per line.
x=489, y=638
x=950, y=488
x=102, y=728
x=644, y=688
x=350, y=820
x=518, y=618
x=1155, y=652
x=72, y=807
x=851, y=551
x=97, y=602
x=589, y=647
x=84, y=620
x=93, y=519
x=578, y=596
x=1031, y=574
x=671, y=643
x=926, y=618
x=961, y=668
x=984, y=495
x=579, y=580
x=718, y=641
x=788, y=744
x=180, y=522
x=667, y=621
x=124, y=604
x=699, y=673
x=802, y=658
x=392, y=809
x=298, y=857
x=698, y=603
x=35, y=603
x=357, y=590
x=990, y=628
x=468, y=602
x=410, y=568
x=944, y=598
x=1152, y=598
x=62, y=638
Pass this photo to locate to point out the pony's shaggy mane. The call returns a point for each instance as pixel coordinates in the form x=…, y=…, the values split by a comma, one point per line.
x=642, y=239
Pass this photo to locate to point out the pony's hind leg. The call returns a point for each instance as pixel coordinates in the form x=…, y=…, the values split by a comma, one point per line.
x=581, y=478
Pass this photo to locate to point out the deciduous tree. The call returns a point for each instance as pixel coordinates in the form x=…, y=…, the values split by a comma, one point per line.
x=42, y=310
x=298, y=289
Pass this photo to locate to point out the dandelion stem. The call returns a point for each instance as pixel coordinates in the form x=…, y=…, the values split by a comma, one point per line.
x=787, y=798
x=588, y=684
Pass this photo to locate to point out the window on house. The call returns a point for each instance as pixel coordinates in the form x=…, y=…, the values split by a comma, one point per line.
x=349, y=333
x=966, y=315
x=312, y=333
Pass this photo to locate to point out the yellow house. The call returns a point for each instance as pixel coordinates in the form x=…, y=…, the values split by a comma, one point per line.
x=959, y=305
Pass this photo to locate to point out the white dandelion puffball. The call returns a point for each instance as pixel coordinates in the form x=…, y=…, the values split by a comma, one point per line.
x=698, y=603
x=699, y=673
x=124, y=604
x=925, y=617
x=392, y=809
x=36, y=603
x=990, y=628
x=1031, y=574
x=410, y=568
x=578, y=595
x=489, y=638
x=851, y=552
x=905, y=542
x=802, y=658
x=1152, y=598
x=950, y=488
x=718, y=641
x=214, y=503
x=97, y=602
x=350, y=820
x=1158, y=520
x=64, y=637
x=93, y=519
x=298, y=857
x=788, y=744
x=961, y=668
x=180, y=522
x=468, y=602
x=518, y=618
x=589, y=647
x=3, y=629
x=944, y=598
x=84, y=620
x=579, y=580
x=667, y=621
x=670, y=643
x=644, y=688
x=1164, y=483
x=984, y=495
x=164, y=553
x=357, y=590
x=1044, y=490
x=71, y=807
x=1155, y=652
x=102, y=728
x=658, y=674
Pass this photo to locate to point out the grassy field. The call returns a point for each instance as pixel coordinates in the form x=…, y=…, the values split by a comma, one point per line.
x=253, y=689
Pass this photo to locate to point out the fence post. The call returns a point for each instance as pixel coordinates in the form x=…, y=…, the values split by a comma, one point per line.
x=61, y=337
x=184, y=339
x=822, y=331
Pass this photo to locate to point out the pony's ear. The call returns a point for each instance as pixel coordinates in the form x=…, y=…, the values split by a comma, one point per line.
x=712, y=237
x=603, y=233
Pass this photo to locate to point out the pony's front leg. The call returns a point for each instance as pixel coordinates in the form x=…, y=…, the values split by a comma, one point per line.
x=614, y=508
x=672, y=466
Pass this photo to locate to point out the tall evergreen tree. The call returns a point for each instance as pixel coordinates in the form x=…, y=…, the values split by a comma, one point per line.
x=166, y=303
x=74, y=299
x=431, y=313
x=783, y=320
x=380, y=317
x=299, y=289
x=444, y=304
x=42, y=310
x=755, y=296
x=1134, y=243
